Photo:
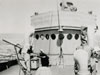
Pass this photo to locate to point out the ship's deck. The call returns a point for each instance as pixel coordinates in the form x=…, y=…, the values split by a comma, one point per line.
x=55, y=71
x=67, y=70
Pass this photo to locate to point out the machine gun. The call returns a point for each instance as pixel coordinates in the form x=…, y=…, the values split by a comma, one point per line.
x=11, y=44
x=16, y=46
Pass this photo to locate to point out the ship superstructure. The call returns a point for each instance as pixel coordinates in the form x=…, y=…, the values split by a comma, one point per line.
x=59, y=32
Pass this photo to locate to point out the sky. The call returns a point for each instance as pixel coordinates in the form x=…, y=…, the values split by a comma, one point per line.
x=15, y=14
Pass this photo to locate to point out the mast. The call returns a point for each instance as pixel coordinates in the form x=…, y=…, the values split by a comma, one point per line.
x=61, y=60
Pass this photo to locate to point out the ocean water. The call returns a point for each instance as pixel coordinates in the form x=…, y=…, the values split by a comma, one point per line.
x=12, y=37
x=15, y=38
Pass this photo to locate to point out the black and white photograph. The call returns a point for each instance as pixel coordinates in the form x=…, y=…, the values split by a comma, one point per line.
x=49, y=37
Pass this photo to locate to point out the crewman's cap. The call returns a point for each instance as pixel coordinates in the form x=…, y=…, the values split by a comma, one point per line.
x=42, y=50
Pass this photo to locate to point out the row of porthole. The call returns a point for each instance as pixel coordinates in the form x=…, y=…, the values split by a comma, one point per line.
x=53, y=36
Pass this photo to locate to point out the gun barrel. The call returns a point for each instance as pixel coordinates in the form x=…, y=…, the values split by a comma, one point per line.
x=11, y=43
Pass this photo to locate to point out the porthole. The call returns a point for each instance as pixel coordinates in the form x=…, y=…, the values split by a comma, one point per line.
x=61, y=36
x=53, y=36
x=61, y=4
x=69, y=3
x=37, y=36
x=76, y=36
x=47, y=36
x=42, y=36
x=69, y=36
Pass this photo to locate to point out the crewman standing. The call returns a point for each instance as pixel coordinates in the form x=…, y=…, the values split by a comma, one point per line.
x=81, y=58
x=97, y=58
x=96, y=44
x=28, y=46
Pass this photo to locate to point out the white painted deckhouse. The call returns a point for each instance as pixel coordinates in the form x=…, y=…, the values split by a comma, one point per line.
x=59, y=32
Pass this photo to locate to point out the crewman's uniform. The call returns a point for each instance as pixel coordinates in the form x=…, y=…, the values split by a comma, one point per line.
x=27, y=43
x=81, y=57
x=26, y=56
